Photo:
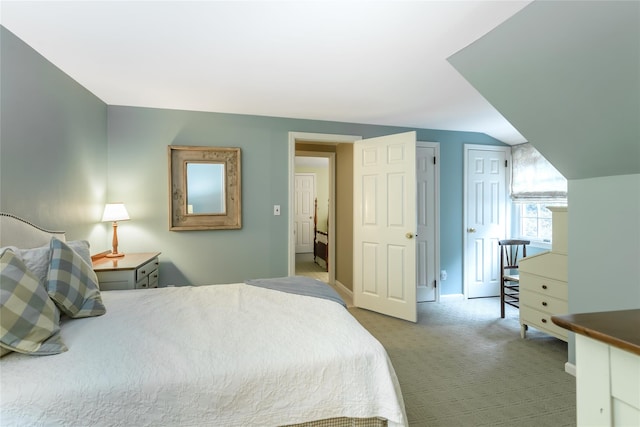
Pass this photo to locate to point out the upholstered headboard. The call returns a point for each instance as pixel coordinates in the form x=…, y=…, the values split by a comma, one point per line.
x=18, y=232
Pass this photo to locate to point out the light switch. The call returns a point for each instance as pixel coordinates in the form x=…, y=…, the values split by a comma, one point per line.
x=276, y=210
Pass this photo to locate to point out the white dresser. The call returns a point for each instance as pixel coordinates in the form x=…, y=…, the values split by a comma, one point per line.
x=607, y=366
x=544, y=286
x=132, y=271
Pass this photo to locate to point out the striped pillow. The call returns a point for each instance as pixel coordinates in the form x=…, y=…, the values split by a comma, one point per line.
x=72, y=283
x=29, y=320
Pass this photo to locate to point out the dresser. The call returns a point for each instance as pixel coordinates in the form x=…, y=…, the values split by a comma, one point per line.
x=132, y=271
x=607, y=366
x=544, y=289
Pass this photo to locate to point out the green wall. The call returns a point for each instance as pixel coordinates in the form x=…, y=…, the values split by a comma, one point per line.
x=53, y=145
x=137, y=170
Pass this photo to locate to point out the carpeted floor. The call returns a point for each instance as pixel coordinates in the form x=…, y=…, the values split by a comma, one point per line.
x=462, y=365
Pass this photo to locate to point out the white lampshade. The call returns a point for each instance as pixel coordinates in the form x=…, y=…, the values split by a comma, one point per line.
x=115, y=212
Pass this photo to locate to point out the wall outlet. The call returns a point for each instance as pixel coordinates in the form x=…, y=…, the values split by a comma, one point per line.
x=276, y=210
x=443, y=274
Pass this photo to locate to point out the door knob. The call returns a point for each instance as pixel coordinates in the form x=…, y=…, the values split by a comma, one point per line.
x=471, y=230
x=409, y=235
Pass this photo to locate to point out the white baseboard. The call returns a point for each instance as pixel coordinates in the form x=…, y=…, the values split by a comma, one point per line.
x=344, y=288
x=570, y=368
x=452, y=298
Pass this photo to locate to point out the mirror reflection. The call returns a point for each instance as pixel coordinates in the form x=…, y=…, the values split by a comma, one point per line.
x=205, y=188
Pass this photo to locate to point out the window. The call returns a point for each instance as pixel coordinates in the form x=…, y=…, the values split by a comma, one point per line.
x=535, y=221
x=535, y=184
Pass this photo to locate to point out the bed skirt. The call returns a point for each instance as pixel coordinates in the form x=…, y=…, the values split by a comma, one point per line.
x=344, y=422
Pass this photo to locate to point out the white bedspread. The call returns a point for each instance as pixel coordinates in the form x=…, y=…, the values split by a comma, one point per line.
x=223, y=355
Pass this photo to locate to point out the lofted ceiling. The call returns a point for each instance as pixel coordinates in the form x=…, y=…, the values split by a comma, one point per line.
x=372, y=62
x=567, y=74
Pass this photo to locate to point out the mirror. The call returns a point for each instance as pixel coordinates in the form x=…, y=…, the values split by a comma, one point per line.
x=204, y=188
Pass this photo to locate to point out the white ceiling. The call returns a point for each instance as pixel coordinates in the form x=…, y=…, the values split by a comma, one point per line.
x=373, y=62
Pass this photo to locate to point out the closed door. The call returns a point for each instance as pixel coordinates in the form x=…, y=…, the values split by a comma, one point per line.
x=305, y=193
x=426, y=261
x=384, y=256
x=485, y=218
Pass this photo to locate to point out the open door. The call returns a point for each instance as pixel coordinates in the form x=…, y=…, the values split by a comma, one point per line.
x=384, y=258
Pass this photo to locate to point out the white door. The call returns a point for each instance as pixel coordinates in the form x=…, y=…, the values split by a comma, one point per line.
x=305, y=193
x=427, y=215
x=384, y=248
x=485, y=218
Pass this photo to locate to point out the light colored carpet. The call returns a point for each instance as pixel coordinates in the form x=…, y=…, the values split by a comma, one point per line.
x=461, y=365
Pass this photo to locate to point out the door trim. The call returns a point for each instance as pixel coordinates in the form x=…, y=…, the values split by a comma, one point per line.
x=318, y=138
x=436, y=196
x=465, y=208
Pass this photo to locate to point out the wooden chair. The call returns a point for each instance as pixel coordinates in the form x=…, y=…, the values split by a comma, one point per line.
x=511, y=251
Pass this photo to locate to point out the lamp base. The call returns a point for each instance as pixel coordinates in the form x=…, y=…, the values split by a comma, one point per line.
x=112, y=255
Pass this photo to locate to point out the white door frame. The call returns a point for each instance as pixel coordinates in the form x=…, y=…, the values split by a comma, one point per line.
x=465, y=208
x=436, y=147
x=319, y=138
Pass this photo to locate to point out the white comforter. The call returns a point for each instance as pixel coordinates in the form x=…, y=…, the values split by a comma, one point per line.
x=223, y=355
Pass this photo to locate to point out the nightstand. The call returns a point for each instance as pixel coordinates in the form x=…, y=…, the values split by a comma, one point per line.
x=132, y=271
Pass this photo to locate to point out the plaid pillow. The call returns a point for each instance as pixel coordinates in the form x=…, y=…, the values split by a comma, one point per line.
x=72, y=283
x=28, y=317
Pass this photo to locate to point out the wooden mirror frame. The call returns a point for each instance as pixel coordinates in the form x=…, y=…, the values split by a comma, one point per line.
x=179, y=219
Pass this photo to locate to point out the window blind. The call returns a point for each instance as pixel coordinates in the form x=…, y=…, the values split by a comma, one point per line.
x=533, y=178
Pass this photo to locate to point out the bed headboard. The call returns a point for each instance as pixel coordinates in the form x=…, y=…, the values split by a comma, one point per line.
x=15, y=231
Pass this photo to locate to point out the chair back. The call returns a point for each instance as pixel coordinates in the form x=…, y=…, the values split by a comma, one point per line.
x=511, y=252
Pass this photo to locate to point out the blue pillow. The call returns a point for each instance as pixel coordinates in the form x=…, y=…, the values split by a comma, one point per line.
x=72, y=284
x=29, y=320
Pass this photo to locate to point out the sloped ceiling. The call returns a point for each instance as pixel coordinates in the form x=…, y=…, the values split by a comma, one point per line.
x=566, y=74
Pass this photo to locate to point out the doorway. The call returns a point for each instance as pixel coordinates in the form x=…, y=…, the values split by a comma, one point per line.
x=430, y=269
x=311, y=215
x=316, y=139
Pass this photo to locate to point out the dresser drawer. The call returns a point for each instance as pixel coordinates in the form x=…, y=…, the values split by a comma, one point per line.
x=131, y=271
x=149, y=281
x=142, y=283
x=544, y=303
x=146, y=269
x=542, y=321
x=625, y=377
x=544, y=286
x=154, y=277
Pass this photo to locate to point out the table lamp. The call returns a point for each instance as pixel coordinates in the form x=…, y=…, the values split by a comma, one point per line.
x=115, y=212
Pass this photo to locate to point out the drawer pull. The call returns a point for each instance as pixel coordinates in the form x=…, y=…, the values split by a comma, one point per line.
x=544, y=303
x=143, y=272
x=544, y=320
x=544, y=286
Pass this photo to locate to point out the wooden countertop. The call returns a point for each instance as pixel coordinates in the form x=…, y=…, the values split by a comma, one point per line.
x=618, y=328
x=127, y=262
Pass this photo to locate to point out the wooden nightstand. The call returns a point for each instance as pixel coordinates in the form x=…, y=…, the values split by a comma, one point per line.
x=132, y=271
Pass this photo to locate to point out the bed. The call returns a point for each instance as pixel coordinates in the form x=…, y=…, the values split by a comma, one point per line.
x=236, y=354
